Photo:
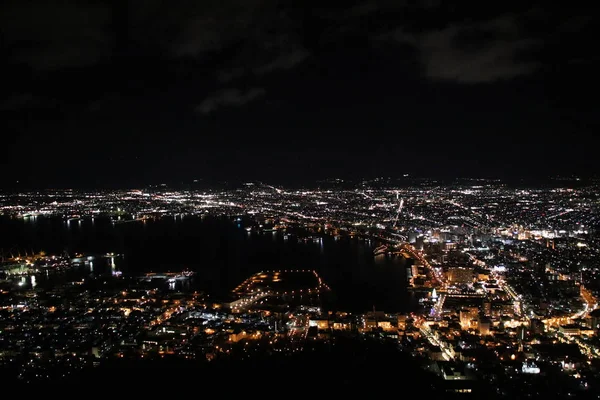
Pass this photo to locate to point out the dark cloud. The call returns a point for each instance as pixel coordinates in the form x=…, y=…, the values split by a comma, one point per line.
x=47, y=35
x=284, y=61
x=381, y=67
x=53, y=35
x=257, y=37
x=475, y=52
x=26, y=100
x=229, y=98
x=212, y=25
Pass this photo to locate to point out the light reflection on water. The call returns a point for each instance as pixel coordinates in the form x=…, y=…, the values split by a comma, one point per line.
x=221, y=253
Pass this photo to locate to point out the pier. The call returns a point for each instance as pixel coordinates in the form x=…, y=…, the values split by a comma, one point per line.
x=170, y=276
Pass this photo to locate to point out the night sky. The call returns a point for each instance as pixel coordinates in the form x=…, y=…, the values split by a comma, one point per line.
x=145, y=91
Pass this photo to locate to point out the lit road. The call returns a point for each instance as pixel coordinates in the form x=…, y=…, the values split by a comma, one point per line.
x=517, y=299
x=591, y=303
x=439, y=306
x=437, y=275
x=586, y=348
x=425, y=331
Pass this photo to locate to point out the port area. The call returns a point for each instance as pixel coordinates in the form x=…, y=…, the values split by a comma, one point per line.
x=166, y=276
x=277, y=287
x=36, y=263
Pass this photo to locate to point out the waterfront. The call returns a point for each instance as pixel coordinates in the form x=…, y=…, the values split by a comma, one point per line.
x=222, y=253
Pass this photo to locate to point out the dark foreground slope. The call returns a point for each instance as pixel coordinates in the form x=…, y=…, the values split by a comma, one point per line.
x=350, y=366
x=353, y=366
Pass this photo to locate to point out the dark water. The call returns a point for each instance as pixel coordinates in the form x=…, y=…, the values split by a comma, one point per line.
x=222, y=253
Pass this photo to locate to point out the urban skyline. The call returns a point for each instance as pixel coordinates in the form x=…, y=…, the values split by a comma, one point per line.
x=284, y=196
x=480, y=286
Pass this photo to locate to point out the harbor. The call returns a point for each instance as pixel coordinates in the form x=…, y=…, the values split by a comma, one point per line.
x=31, y=263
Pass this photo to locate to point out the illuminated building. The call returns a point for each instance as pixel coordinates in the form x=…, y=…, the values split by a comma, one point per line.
x=460, y=275
x=457, y=378
x=469, y=317
x=484, y=326
x=530, y=368
x=595, y=320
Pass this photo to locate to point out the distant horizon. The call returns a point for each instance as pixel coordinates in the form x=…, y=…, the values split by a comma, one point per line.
x=403, y=180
